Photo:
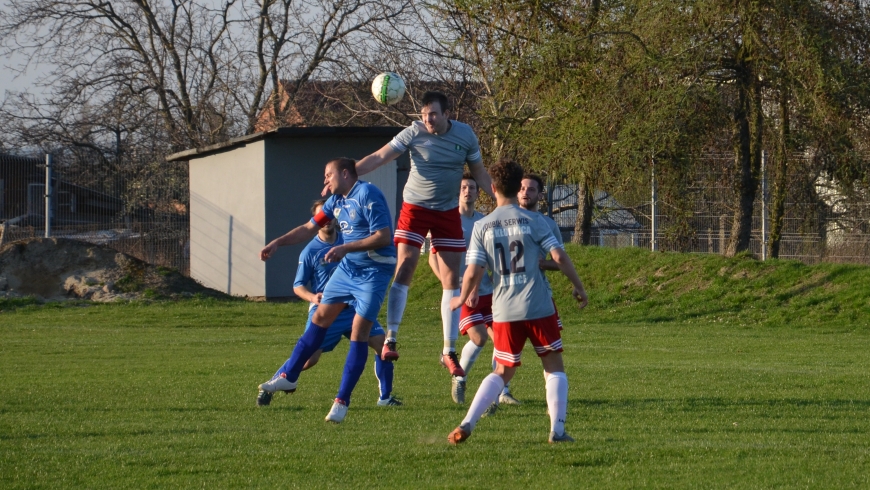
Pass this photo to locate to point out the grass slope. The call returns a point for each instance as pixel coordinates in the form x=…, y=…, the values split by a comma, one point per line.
x=685, y=371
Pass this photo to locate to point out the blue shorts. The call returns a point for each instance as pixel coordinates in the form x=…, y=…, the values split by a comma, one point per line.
x=340, y=327
x=363, y=287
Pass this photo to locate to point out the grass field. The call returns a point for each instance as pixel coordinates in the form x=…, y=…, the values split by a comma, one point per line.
x=685, y=371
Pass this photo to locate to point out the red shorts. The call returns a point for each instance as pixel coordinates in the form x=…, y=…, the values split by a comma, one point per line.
x=416, y=221
x=509, y=338
x=480, y=314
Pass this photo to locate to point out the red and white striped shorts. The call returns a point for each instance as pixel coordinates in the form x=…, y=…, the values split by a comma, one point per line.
x=509, y=338
x=416, y=221
x=480, y=314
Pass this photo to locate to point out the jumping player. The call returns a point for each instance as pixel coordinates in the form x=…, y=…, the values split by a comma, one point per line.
x=473, y=320
x=440, y=148
x=311, y=277
x=509, y=242
x=366, y=261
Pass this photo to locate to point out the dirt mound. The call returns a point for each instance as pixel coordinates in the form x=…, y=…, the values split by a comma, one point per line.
x=57, y=268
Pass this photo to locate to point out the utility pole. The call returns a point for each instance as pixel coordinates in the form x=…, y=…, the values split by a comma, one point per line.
x=49, y=195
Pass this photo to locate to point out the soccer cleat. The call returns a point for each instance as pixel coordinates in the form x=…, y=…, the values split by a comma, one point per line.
x=264, y=398
x=390, y=402
x=278, y=384
x=458, y=390
x=508, y=399
x=389, y=352
x=564, y=437
x=451, y=362
x=490, y=410
x=459, y=434
x=337, y=413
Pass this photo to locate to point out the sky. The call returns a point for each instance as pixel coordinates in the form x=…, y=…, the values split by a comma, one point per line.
x=8, y=81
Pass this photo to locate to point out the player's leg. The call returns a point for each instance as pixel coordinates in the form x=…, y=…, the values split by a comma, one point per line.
x=367, y=288
x=409, y=238
x=547, y=340
x=310, y=341
x=312, y=361
x=448, y=266
x=508, y=344
x=383, y=369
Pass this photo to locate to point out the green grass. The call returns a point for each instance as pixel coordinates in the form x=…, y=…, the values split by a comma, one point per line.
x=685, y=371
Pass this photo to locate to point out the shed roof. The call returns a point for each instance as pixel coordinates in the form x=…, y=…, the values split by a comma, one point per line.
x=301, y=132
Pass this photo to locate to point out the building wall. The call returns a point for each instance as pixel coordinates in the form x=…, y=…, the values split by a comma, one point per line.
x=227, y=220
x=294, y=178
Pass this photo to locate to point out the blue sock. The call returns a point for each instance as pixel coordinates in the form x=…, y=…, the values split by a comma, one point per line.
x=384, y=372
x=353, y=368
x=305, y=347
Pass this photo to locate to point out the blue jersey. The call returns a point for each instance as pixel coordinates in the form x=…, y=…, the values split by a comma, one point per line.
x=363, y=212
x=313, y=270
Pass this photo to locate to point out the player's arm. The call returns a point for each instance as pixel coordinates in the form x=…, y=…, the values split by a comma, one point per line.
x=376, y=159
x=567, y=267
x=379, y=239
x=548, y=265
x=301, y=233
x=484, y=183
x=470, y=282
x=305, y=294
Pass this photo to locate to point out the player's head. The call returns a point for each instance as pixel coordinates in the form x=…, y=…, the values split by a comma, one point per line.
x=507, y=177
x=315, y=207
x=435, y=112
x=531, y=191
x=468, y=190
x=340, y=175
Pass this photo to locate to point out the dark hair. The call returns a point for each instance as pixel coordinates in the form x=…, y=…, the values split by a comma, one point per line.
x=507, y=177
x=344, y=163
x=536, y=178
x=433, y=96
x=316, y=204
x=467, y=176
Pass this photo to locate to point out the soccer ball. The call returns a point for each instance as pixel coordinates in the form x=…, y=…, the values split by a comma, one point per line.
x=388, y=88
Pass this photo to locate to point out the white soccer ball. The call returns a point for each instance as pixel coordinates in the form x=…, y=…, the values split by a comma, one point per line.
x=388, y=88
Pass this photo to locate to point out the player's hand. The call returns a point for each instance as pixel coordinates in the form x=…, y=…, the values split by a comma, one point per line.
x=325, y=191
x=580, y=296
x=335, y=254
x=267, y=251
x=471, y=302
x=317, y=298
x=455, y=302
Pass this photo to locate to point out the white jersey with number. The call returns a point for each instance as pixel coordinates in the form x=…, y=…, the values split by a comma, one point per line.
x=509, y=241
x=467, y=229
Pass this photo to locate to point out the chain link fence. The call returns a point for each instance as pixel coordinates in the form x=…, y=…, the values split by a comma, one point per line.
x=100, y=203
x=144, y=212
x=820, y=223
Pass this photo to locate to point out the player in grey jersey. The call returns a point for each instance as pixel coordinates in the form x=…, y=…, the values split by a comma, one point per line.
x=440, y=148
x=509, y=242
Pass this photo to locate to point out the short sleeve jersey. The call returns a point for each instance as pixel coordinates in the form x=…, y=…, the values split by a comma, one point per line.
x=467, y=229
x=509, y=242
x=313, y=271
x=437, y=163
x=363, y=212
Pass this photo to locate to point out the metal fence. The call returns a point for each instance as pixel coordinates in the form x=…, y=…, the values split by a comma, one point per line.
x=143, y=211
x=97, y=203
x=819, y=225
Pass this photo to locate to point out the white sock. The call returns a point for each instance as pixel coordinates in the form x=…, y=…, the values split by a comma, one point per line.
x=396, y=302
x=449, y=320
x=557, y=401
x=469, y=355
x=487, y=393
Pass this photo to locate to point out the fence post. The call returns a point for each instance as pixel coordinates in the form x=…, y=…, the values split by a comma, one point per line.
x=49, y=195
x=653, y=209
x=763, y=205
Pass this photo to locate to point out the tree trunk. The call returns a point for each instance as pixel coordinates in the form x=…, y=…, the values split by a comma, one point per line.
x=585, y=204
x=747, y=126
x=777, y=205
